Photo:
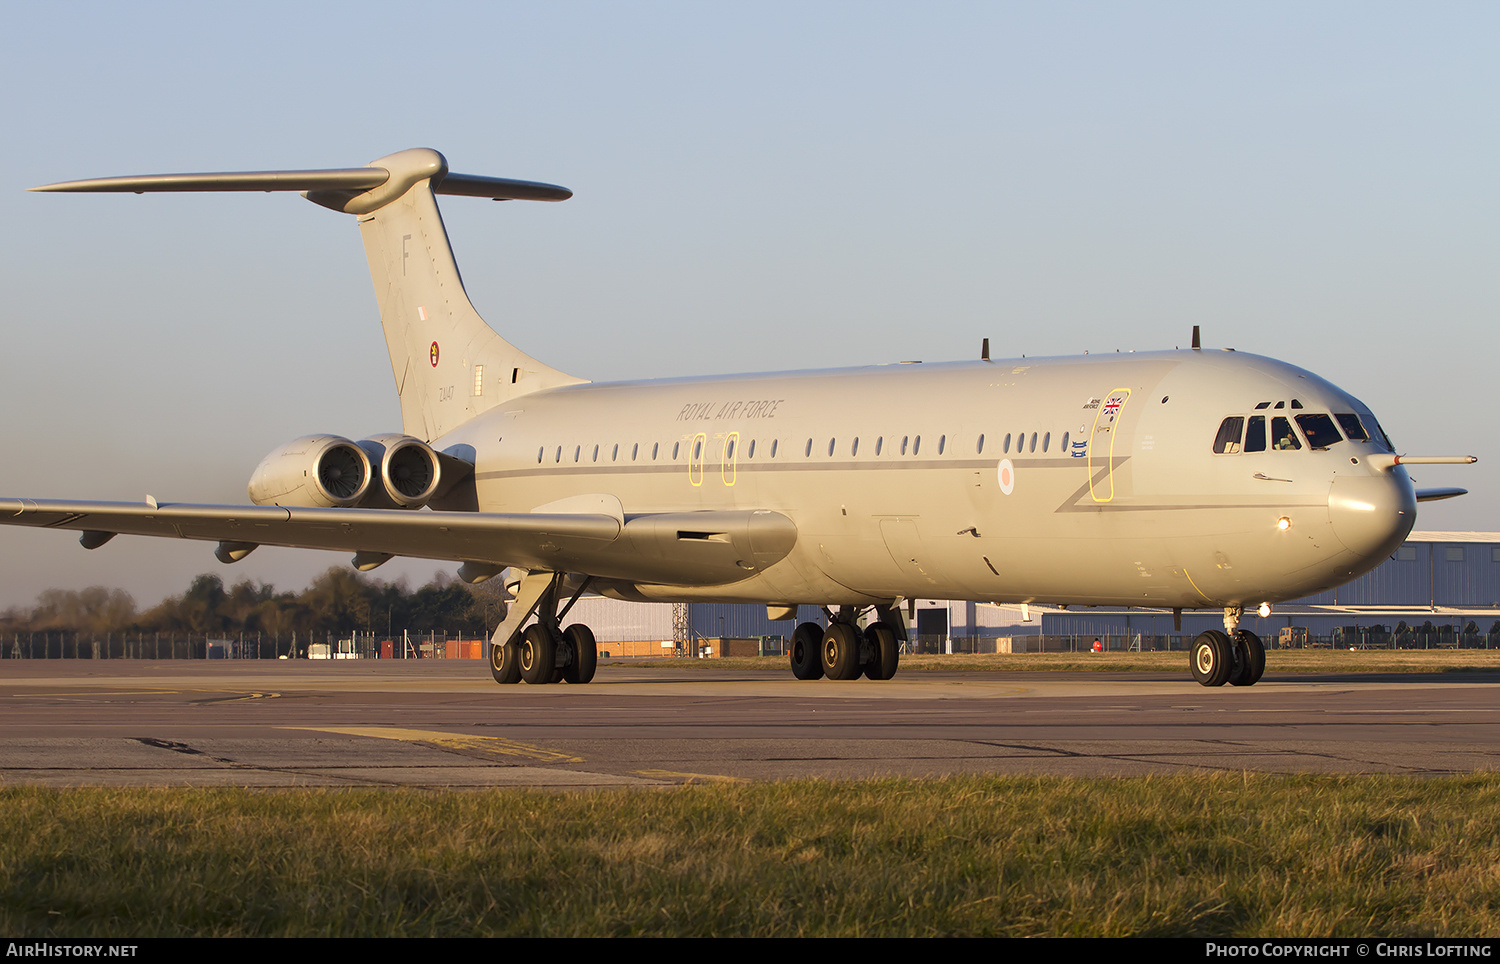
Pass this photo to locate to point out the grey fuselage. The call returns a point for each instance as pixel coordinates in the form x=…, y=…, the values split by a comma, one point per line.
x=1089, y=480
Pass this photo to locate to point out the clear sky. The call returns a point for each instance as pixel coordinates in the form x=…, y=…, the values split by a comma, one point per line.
x=758, y=186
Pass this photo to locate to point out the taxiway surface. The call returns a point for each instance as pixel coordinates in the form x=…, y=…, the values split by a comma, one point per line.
x=447, y=724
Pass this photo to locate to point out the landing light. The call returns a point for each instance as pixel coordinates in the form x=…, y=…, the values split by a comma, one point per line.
x=1264, y=610
x=1283, y=523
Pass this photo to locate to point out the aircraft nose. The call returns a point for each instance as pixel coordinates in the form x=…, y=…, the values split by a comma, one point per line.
x=1372, y=515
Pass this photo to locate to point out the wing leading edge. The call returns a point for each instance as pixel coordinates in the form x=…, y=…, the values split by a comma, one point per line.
x=676, y=548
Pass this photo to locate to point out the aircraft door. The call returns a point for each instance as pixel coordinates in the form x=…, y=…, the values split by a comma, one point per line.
x=728, y=465
x=1102, y=444
x=696, y=450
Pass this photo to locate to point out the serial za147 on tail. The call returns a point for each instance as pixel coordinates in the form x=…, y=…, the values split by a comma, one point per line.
x=1181, y=479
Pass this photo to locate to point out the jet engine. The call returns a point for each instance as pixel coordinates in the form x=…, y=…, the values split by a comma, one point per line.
x=409, y=470
x=324, y=471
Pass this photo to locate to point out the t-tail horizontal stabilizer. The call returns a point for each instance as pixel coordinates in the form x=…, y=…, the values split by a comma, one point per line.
x=352, y=179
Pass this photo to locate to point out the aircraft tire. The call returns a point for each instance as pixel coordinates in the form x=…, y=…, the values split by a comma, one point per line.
x=585, y=654
x=1251, y=663
x=538, y=655
x=807, y=639
x=1212, y=658
x=886, y=653
x=505, y=664
x=840, y=651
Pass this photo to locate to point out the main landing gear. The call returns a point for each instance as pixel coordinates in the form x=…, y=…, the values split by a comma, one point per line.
x=1235, y=656
x=543, y=652
x=843, y=650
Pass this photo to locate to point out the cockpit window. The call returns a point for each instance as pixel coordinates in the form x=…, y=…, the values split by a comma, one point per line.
x=1228, y=440
x=1255, y=438
x=1352, y=427
x=1380, y=432
x=1319, y=430
x=1282, y=436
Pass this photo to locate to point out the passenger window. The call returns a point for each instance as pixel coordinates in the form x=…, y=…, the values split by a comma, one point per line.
x=773, y=448
x=831, y=443
x=942, y=441
x=750, y=452
x=577, y=453
x=676, y=446
x=1065, y=443
x=1319, y=430
x=879, y=444
x=1228, y=440
x=1255, y=436
x=1046, y=441
x=539, y=453
x=916, y=445
x=979, y=448
x=1352, y=428
x=854, y=448
x=1006, y=446
x=654, y=447
x=1283, y=439
x=596, y=452
x=904, y=440
x=635, y=450
x=1033, y=441
x=614, y=453
x=808, y=453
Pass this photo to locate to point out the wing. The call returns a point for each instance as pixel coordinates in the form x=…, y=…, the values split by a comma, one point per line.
x=675, y=548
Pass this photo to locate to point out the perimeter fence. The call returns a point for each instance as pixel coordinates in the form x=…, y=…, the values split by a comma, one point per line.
x=442, y=645
x=65, y=645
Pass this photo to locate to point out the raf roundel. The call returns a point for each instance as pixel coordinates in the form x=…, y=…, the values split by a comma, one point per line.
x=1007, y=473
x=432, y=353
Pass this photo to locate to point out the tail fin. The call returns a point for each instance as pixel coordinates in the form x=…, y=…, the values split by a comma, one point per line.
x=448, y=364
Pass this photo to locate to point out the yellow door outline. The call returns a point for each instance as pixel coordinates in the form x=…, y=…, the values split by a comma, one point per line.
x=695, y=458
x=729, y=464
x=1106, y=420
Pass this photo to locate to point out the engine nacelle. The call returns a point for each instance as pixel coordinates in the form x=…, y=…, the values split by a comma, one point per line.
x=324, y=471
x=410, y=472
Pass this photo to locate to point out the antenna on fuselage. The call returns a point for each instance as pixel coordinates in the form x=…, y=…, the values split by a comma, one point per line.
x=984, y=350
x=1196, y=343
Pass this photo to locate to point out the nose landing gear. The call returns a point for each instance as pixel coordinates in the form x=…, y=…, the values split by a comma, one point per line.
x=1235, y=656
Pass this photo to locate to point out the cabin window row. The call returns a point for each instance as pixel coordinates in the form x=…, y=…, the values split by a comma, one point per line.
x=908, y=445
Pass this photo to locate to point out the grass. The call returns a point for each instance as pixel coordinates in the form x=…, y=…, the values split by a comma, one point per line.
x=1279, y=662
x=1175, y=856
